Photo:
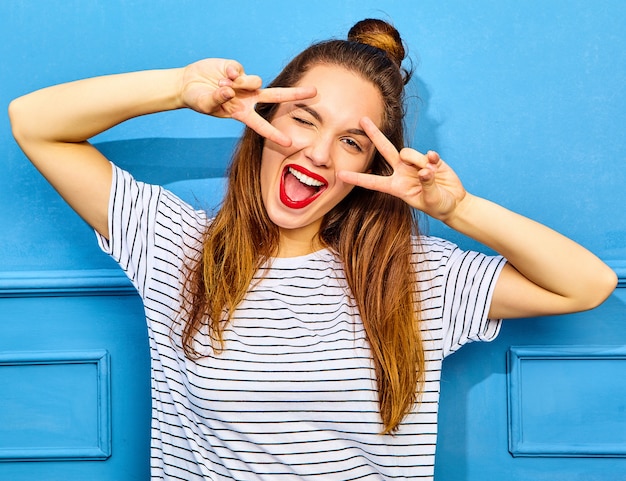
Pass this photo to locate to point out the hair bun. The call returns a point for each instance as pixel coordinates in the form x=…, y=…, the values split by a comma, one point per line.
x=379, y=34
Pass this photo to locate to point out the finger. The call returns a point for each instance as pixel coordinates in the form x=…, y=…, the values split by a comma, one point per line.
x=414, y=158
x=286, y=94
x=426, y=170
x=382, y=143
x=234, y=70
x=426, y=176
x=428, y=180
x=247, y=82
x=263, y=128
x=220, y=96
x=212, y=102
x=367, y=181
x=433, y=158
x=428, y=173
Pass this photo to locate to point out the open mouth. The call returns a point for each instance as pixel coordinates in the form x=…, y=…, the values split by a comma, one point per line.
x=299, y=187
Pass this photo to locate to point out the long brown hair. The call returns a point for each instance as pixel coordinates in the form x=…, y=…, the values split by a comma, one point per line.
x=370, y=231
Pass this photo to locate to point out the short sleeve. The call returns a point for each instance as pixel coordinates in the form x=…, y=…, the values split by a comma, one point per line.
x=152, y=232
x=132, y=205
x=469, y=282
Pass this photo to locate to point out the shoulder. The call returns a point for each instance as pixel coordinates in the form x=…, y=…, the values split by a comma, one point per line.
x=435, y=257
x=159, y=200
x=431, y=252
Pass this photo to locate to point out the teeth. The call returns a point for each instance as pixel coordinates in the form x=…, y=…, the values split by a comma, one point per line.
x=305, y=179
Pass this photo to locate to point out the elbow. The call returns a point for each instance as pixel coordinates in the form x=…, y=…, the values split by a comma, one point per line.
x=603, y=285
x=610, y=283
x=16, y=117
x=25, y=125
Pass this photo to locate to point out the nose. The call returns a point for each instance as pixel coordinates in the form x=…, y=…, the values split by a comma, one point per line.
x=319, y=151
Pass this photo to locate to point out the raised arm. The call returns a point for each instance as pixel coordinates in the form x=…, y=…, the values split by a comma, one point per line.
x=546, y=273
x=53, y=125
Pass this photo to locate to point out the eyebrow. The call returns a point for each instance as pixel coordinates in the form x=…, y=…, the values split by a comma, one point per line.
x=315, y=114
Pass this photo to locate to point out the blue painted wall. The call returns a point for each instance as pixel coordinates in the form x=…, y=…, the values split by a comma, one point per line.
x=525, y=99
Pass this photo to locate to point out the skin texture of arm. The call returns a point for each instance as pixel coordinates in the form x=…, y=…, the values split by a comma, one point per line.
x=546, y=273
x=53, y=125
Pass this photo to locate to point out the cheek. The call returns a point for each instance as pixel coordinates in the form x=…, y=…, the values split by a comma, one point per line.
x=265, y=173
x=271, y=169
x=342, y=189
x=300, y=136
x=362, y=164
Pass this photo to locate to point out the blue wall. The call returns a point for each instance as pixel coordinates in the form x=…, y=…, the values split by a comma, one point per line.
x=525, y=99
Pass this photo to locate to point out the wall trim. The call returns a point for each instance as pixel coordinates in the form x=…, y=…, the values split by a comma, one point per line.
x=88, y=282
x=112, y=282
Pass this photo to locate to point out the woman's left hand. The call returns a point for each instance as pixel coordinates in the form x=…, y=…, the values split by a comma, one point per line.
x=546, y=273
x=424, y=181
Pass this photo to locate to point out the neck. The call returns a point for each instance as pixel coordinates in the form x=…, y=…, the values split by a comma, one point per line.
x=294, y=244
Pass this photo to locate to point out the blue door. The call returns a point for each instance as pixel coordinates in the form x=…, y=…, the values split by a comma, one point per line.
x=525, y=99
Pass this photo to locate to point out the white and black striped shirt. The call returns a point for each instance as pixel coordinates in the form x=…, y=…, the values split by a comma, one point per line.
x=293, y=395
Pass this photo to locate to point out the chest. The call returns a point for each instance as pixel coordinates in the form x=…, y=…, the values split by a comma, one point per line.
x=292, y=344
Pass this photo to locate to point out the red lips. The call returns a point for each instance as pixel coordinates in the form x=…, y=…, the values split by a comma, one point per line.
x=297, y=193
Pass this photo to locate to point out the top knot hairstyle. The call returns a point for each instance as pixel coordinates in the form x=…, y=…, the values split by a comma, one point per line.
x=384, y=36
x=371, y=232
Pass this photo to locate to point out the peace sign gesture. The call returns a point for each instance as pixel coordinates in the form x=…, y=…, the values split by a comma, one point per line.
x=424, y=181
x=220, y=88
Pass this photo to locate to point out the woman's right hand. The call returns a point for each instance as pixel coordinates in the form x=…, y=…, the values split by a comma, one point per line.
x=221, y=88
x=53, y=125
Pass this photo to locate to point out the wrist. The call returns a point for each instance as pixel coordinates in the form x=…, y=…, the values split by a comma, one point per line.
x=178, y=79
x=164, y=89
x=154, y=91
x=458, y=218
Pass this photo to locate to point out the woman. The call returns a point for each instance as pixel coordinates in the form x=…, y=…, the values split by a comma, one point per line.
x=300, y=333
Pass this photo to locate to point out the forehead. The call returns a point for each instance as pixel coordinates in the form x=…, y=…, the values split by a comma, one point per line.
x=343, y=93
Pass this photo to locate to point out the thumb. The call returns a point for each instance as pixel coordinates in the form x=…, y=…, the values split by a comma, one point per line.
x=212, y=102
x=428, y=171
x=223, y=94
x=430, y=189
x=233, y=69
x=426, y=175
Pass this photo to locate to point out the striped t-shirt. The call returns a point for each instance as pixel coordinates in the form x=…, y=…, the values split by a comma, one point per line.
x=293, y=395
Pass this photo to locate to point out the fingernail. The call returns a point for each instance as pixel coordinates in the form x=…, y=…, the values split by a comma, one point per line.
x=227, y=93
x=232, y=71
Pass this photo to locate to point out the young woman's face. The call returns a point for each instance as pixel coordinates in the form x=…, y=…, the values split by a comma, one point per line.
x=298, y=183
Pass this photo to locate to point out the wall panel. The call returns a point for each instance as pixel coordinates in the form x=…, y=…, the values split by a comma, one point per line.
x=567, y=401
x=57, y=407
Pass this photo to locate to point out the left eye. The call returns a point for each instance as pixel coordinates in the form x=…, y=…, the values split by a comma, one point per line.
x=302, y=121
x=352, y=144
